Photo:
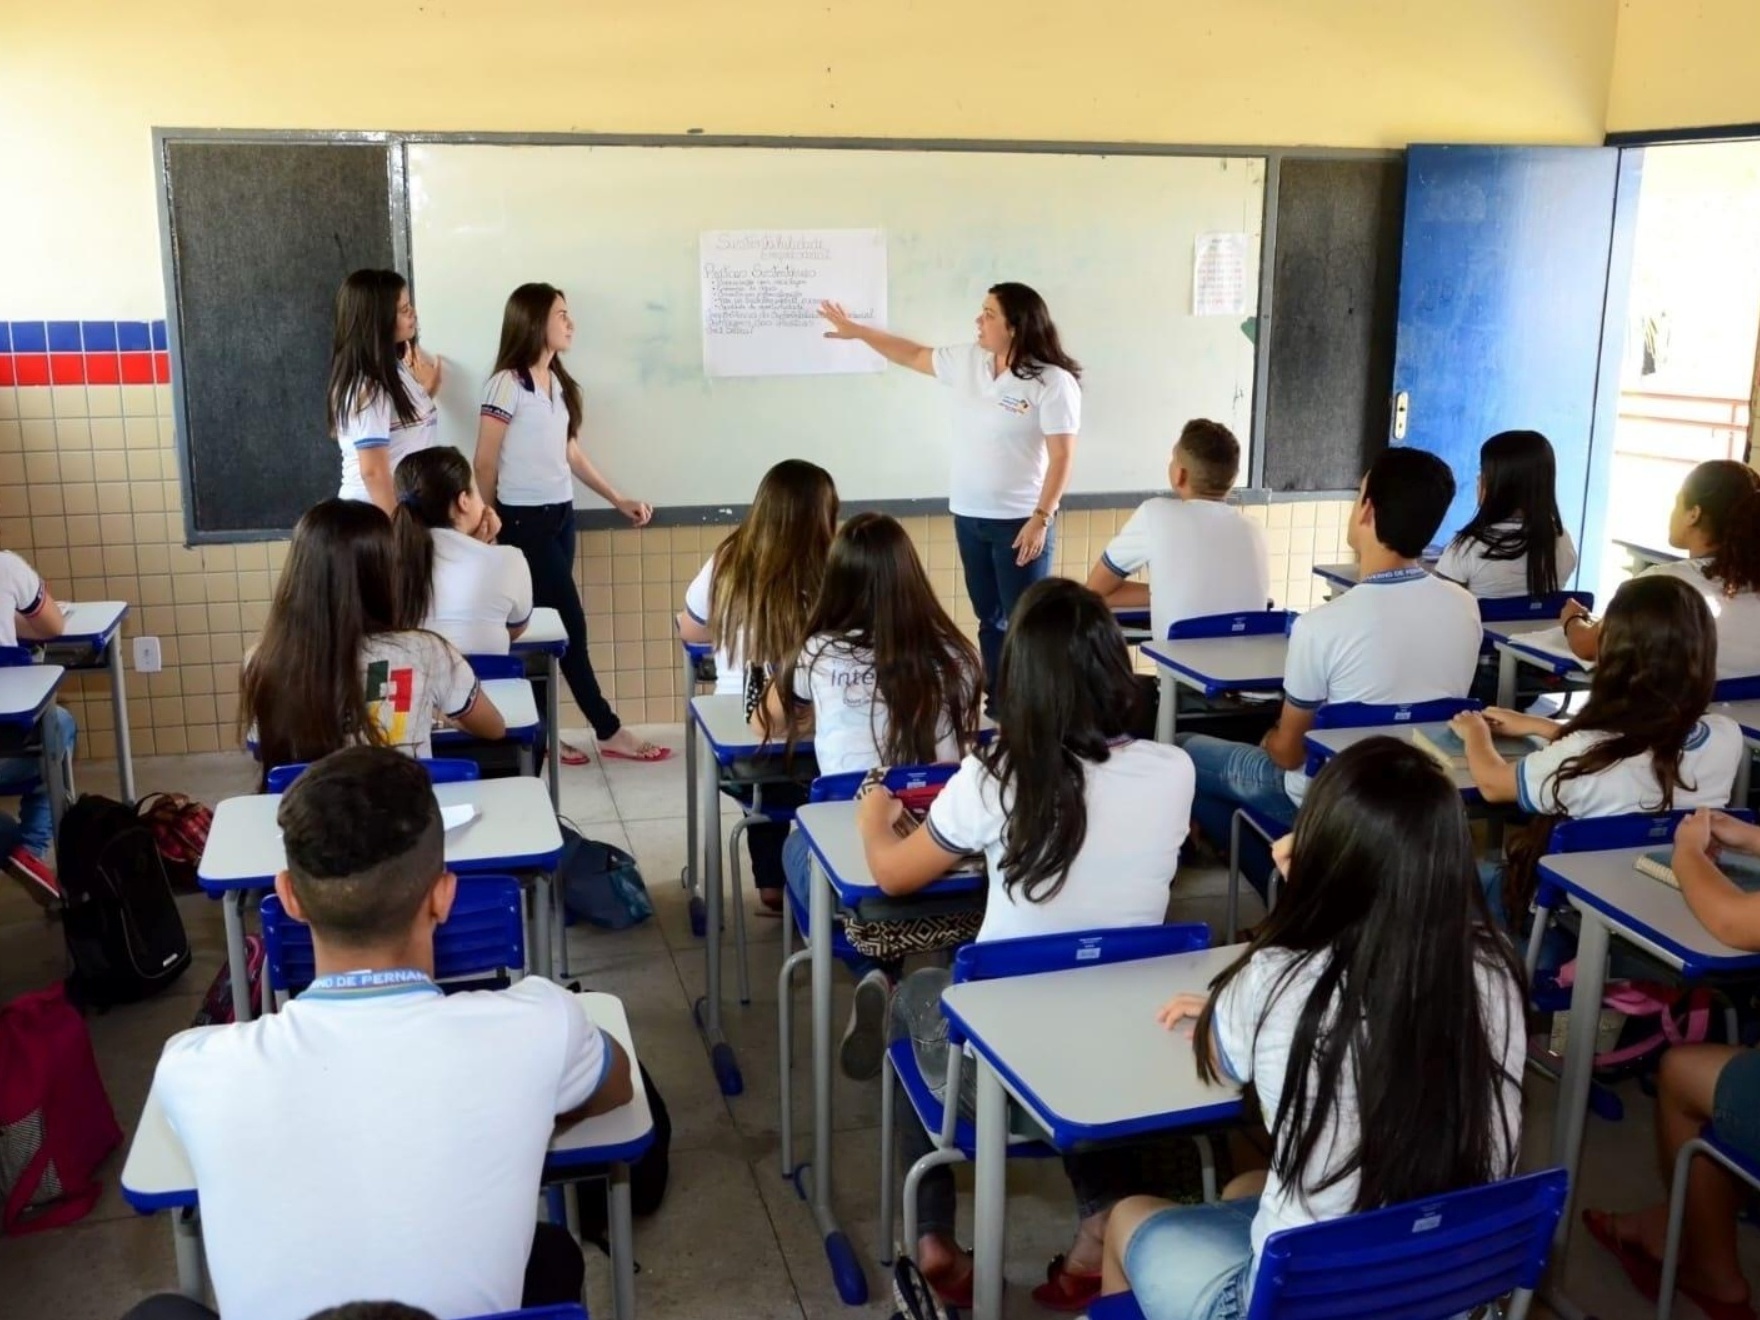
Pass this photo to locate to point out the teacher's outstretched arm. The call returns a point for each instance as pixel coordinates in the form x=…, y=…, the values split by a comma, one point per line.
x=896, y=349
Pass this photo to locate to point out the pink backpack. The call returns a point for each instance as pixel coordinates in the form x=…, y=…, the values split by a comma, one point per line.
x=1683, y=1016
x=56, y=1124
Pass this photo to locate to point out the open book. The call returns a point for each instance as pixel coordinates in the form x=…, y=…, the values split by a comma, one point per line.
x=1444, y=746
x=1743, y=869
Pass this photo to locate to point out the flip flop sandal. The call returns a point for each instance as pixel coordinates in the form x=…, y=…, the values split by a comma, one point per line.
x=1643, y=1269
x=572, y=755
x=959, y=1295
x=1066, y=1291
x=650, y=754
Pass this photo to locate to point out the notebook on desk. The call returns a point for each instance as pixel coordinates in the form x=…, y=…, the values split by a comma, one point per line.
x=1444, y=746
x=1743, y=869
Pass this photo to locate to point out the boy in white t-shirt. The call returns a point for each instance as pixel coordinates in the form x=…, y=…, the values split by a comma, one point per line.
x=28, y=613
x=1203, y=557
x=377, y=1138
x=1399, y=636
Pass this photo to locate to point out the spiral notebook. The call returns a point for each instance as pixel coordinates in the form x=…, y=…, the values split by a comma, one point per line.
x=1743, y=869
x=1444, y=746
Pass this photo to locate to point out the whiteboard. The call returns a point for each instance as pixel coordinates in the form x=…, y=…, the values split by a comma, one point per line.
x=1108, y=241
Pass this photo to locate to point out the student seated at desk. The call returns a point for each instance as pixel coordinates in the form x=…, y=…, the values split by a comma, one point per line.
x=1515, y=544
x=1203, y=556
x=751, y=600
x=886, y=678
x=1642, y=742
x=1400, y=635
x=451, y=573
x=28, y=613
x=1716, y=521
x=341, y=661
x=1381, y=926
x=1696, y=1085
x=1080, y=827
x=377, y=1138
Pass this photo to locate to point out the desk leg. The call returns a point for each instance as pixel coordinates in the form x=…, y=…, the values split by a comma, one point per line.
x=846, y=1269
x=623, y=1245
x=119, y=708
x=526, y=768
x=693, y=841
x=1506, y=678
x=1579, y=1064
x=186, y=1243
x=1744, y=777
x=237, y=964
x=542, y=955
x=721, y=1056
x=553, y=728
x=1167, y=708
x=990, y=1183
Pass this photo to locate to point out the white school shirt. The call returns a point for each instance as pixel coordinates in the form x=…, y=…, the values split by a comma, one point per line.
x=374, y=424
x=1395, y=638
x=480, y=591
x=1204, y=558
x=1713, y=752
x=1255, y=1024
x=380, y=1141
x=999, y=453
x=850, y=720
x=534, y=453
x=412, y=679
x=21, y=592
x=1465, y=562
x=1738, y=617
x=1139, y=811
x=730, y=666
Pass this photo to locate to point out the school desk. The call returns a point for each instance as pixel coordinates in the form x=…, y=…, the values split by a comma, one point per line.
x=544, y=637
x=157, y=1175
x=1614, y=900
x=1134, y=623
x=1641, y=555
x=27, y=694
x=1214, y=665
x=1746, y=714
x=93, y=640
x=840, y=879
x=1519, y=642
x=1324, y=744
x=692, y=655
x=519, y=711
x=515, y=831
x=1339, y=578
x=1134, y=1078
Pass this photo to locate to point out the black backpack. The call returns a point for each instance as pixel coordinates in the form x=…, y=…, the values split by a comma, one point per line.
x=648, y=1176
x=123, y=931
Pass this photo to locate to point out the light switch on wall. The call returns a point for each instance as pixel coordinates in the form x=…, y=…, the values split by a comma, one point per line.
x=146, y=655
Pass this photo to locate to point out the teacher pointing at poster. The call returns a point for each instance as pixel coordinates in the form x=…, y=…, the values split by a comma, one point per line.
x=1020, y=410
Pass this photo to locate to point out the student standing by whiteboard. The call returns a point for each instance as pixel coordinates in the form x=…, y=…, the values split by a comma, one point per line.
x=528, y=451
x=1021, y=410
x=382, y=387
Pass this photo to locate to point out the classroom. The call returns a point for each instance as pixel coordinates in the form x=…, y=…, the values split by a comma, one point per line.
x=563, y=374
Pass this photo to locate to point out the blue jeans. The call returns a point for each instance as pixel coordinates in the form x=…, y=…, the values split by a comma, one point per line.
x=1232, y=775
x=1193, y=1262
x=994, y=581
x=797, y=868
x=23, y=776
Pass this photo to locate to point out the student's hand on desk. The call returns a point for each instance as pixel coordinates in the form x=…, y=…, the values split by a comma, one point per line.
x=1573, y=609
x=1182, y=1008
x=877, y=811
x=637, y=512
x=1029, y=542
x=1696, y=836
x=1733, y=833
x=1473, y=729
x=1517, y=725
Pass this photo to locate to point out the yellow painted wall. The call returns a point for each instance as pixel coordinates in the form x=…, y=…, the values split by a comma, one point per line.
x=1685, y=64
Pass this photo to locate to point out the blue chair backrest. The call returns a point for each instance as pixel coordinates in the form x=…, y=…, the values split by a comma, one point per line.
x=1253, y=623
x=1445, y=1255
x=13, y=656
x=441, y=769
x=841, y=788
x=1731, y=689
x=497, y=666
x=1509, y=609
x=565, y=1311
x=1638, y=829
x=484, y=933
x=1364, y=714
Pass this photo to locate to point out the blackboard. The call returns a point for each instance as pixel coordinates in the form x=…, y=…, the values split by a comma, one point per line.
x=259, y=235
x=1329, y=346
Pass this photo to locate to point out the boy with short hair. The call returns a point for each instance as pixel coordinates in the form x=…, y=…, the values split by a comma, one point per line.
x=376, y=1138
x=1204, y=557
x=28, y=613
x=1399, y=636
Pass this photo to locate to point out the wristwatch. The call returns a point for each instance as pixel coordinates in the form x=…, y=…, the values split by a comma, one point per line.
x=1046, y=518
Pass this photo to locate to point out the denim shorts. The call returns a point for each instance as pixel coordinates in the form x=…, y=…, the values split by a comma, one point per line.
x=1193, y=1262
x=1735, y=1104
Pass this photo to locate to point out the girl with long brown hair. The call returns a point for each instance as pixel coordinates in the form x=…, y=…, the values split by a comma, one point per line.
x=528, y=457
x=380, y=394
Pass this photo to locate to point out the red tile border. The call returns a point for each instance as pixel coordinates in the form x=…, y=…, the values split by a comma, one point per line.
x=137, y=368
x=5, y=370
x=103, y=369
x=67, y=369
x=31, y=368
x=162, y=368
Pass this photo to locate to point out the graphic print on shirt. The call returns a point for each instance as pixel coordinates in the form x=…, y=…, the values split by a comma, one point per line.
x=1015, y=404
x=390, y=694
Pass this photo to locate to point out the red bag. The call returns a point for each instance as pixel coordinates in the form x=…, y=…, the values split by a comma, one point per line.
x=180, y=831
x=216, y=1009
x=56, y=1124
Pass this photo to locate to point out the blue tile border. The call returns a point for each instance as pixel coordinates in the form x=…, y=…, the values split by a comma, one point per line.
x=99, y=336
x=161, y=341
x=133, y=336
x=29, y=337
x=64, y=337
x=83, y=337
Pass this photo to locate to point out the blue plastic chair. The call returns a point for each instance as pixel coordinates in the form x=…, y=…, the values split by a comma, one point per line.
x=442, y=770
x=483, y=936
x=1251, y=623
x=955, y=1135
x=1446, y=1255
x=497, y=666
x=1737, y=689
x=569, y=1311
x=1708, y=1144
x=1511, y=609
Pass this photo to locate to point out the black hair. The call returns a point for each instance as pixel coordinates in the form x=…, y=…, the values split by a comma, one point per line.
x=1521, y=487
x=1211, y=454
x=373, y=1311
x=1036, y=344
x=429, y=483
x=1727, y=495
x=364, y=347
x=1410, y=491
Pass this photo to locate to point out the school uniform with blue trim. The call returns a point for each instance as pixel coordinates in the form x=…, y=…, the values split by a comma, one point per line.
x=22, y=596
x=373, y=423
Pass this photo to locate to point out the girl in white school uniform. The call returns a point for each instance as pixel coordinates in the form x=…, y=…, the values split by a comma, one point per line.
x=452, y=576
x=528, y=455
x=1080, y=827
x=1021, y=410
x=1516, y=543
x=381, y=390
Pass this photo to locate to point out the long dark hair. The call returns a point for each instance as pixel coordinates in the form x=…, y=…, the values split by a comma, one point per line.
x=303, y=687
x=1036, y=345
x=1521, y=487
x=429, y=483
x=1654, y=674
x=876, y=598
x=1727, y=495
x=525, y=324
x=1384, y=889
x=766, y=575
x=1065, y=694
x=364, y=347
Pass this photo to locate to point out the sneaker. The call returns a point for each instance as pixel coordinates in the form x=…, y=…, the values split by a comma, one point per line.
x=864, y=1039
x=36, y=875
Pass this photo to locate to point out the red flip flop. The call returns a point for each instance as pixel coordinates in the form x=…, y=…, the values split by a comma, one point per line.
x=1066, y=1291
x=1645, y=1271
x=573, y=756
x=654, y=754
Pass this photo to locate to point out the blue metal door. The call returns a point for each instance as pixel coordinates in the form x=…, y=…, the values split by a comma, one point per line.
x=1511, y=313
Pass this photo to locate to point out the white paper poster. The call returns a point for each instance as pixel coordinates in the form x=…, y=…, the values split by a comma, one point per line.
x=761, y=294
x=1219, y=275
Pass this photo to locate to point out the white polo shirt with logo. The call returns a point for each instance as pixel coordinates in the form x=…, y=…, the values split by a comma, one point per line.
x=999, y=454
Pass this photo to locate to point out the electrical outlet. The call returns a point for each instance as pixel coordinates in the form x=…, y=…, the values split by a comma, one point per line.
x=146, y=655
